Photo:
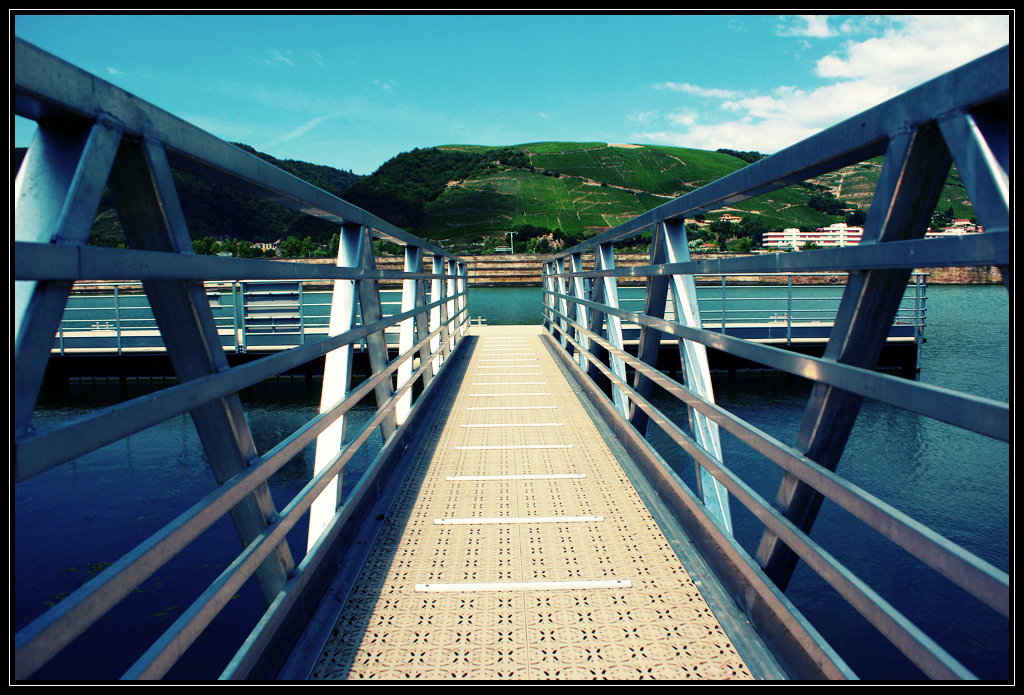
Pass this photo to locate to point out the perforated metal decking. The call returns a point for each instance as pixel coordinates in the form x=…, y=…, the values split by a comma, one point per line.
x=519, y=549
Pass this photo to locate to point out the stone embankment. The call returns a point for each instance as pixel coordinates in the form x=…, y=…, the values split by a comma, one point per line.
x=524, y=270
x=518, y=270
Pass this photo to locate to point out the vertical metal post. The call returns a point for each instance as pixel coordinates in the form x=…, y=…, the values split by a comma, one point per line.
x=462, y=285
x=446, y=346
x=548, y=300
x=60, y=334
x=453, y=271
x=242, y=308
x=655, y=300
x=376, y=343
x=789, y=310
x=597, y=317
x=117, y=318
x=421, y=323
x=407, y=330
x=337, y=382
x=563, y=306
x=694, y=360
x=581, y=291
x=919, y=314
x=606, y=256
x=302, y=328
x=723, y=306
x=236, y=308
x=435, y=314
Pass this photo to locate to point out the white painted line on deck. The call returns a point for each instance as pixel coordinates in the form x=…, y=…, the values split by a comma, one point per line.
x=514, y=407
x=514, y=374
x=529, y=586
x=491, y=395
x=524, y=424
x=517, y=477
x=508, y=383
x=518, y=446
x=521, y=520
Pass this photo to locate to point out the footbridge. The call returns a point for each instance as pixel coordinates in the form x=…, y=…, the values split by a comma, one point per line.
x=516, y=521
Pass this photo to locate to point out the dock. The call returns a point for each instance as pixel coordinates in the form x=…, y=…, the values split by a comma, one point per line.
x=518, y=548
x=512, y=519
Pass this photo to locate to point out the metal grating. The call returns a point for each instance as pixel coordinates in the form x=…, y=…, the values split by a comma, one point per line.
x=659, y=627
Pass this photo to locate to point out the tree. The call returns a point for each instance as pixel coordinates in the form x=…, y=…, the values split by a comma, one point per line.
x=741, y=245
x=752, y=228
x=290, y=248
x=857, y=218
x=204, y=246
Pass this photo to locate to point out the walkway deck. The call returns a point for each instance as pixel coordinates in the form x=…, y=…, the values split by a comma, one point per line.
x=519, y=549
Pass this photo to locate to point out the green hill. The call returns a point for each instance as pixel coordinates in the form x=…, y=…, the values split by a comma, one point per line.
x=462, y=195
x=580, y=189
x=221, y=212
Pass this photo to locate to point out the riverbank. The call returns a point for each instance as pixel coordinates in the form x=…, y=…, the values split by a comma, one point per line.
x=524, y=270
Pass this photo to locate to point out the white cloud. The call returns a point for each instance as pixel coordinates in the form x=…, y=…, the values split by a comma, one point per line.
x=923, y=48
x=112, y=71
x=644, y=117
x=319, y=59
x=301, y=130
x=386, y=85
x=278, y=57
x=698, y=91
x=683, y=118
x=902, y=53
x=812, y=25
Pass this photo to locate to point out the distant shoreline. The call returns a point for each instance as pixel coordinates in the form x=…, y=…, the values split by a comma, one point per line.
x=524, y=270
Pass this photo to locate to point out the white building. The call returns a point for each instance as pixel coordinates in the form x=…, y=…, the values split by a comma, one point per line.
x=833, y=236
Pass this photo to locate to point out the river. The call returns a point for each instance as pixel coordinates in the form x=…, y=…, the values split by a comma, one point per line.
x=72, y=521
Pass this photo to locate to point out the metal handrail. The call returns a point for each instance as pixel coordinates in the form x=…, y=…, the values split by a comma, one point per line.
x=965, y=111
x=242, y=340
x=112, y=133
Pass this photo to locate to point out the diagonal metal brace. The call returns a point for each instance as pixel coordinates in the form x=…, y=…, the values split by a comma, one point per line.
x=150, y=213
x=915, y=169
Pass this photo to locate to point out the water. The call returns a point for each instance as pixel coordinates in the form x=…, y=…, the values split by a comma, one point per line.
x=72, y=520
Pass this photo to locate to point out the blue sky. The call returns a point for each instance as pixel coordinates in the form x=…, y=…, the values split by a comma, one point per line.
x=352, y=91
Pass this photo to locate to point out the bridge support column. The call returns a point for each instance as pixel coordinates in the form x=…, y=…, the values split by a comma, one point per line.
x=337, y=381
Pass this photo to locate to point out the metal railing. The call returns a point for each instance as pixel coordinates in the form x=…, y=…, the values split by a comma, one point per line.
x=766, y=309
x=962, y=116
x=93, y=134
x=123, y=321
